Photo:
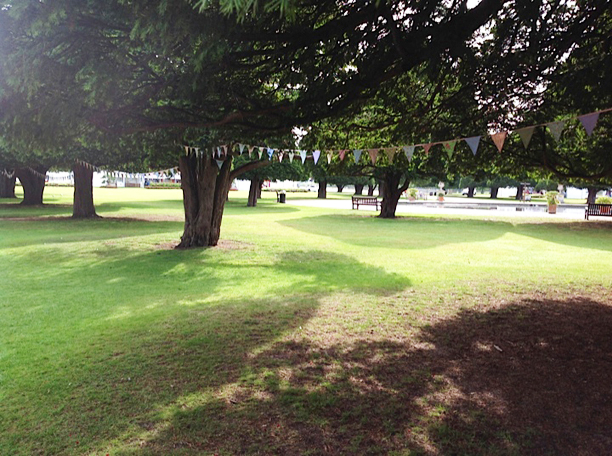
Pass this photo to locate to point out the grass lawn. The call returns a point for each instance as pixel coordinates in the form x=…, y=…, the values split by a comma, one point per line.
x=306, y=331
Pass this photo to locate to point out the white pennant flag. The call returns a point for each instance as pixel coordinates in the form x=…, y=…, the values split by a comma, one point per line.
x=291, y=154
x=260, y=151
x=219, y=163
x=409, y=151
x=280, y=156
x=303, y=155
x=329, y=157
x=241, y=148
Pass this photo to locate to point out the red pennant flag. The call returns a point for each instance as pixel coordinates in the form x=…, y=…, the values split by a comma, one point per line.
x=499, y=139
x=341, y=153
x=427, y=147
x=373, y=155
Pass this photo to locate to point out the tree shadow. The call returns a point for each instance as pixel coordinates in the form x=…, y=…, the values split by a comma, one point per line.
x=122, y=363
x=532, y=377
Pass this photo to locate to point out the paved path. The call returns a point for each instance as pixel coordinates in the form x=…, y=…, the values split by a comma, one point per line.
x=461, y=206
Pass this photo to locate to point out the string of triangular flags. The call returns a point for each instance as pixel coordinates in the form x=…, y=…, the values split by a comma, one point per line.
x=87, y=165
x=6, y=174
x=588, y=121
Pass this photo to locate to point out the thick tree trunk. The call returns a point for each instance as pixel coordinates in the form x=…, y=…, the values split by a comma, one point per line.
x=83, y=205
x=519, y=192
x=359, y=189
x=322, y=194
x=340, y=188
x=7, y=185
x=592, y=196
x=253, y=192
x=471, y=192
x=33, y=182
x=205, y=190
x=494, y=191
x=261, y=182
x=371, y=189
x=391, y=192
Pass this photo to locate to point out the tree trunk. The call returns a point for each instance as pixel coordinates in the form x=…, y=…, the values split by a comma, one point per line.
x=494, y=191
x=340, y=188
x=33, y=182
x=7, y=185
x=519, y=192
x=205, y=190
x=592, y=196
x=261, y=182
x=83, y=205
x=471, y=192
x=371, y=189
x=391, y=193
x=322, y=194
x=359, y=189
x=253, y=192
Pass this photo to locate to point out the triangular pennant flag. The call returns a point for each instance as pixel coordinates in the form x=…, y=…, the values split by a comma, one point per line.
x=342, y=153
x=449, y=146
x=329, y=157
x=473, y=143
x=427, y=147
x=280, y=156
x=409, y=151
x=303, y=155
x=589, y=121
x=291, y=154
x=218, y=151
x=260, y=151
x=499, y=139
x=390, y=153
x=525, y=134
x=373, y=155
x=556, y=128
x=270, y=153
x=187, y=150
x=241, y=148
x=357, y=154
x=316, y=154
x=251, y=148
x=219, y=163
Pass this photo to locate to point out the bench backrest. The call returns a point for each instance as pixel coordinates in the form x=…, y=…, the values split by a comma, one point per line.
x=596, y=208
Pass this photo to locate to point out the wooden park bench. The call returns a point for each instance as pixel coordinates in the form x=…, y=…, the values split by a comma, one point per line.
x=604, y=210
x=365, y=201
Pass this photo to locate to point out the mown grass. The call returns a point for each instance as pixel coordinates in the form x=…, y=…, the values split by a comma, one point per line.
x=307, y=331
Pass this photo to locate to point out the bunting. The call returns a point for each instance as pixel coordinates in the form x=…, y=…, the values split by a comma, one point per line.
x=329, y=157
x=589, y=121
x=556, y=128
x=409, y=151
x=291, y=154
x=390, y=153
x=241, y=148
x=526, y=134
x=219, y=163
x=473, y=142
x=499, y=139
x=270, y=153
x=357, y=155
x=342, y=153
x=280, y=156
x=373, y=153
x=427, y=147
x=316, y=154
x=449, y=146
x=303, y=155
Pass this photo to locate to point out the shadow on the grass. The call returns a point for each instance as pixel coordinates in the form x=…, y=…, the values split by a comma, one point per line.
x=110, y=380
x=534, y=377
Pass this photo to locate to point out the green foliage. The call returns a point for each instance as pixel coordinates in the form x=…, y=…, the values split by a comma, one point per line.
x=604, y=200
x=552, y=198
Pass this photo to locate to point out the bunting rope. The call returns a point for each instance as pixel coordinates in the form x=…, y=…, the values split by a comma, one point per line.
x=6, y=174
x=36, y=173
x=87, y=165
x=588, y=121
